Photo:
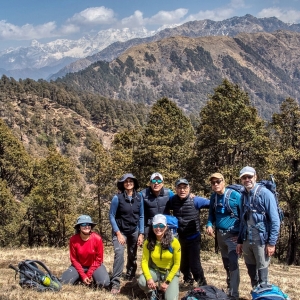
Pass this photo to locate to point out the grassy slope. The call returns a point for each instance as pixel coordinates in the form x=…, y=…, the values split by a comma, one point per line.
x=287, y=277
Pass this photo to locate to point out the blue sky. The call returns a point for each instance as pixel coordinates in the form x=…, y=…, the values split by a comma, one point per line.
x=22, y=21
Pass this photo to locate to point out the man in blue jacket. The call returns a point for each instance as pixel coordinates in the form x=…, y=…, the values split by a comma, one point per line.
x=186, y=209
x=259, y=227
x=224, y=213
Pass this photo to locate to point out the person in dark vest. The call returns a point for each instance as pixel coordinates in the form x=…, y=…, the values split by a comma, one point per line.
x=227, y=225
x=186, y=209
x=155, y=199
x=127, y=220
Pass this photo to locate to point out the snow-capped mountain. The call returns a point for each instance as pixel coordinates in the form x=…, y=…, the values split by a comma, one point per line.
x=40, y=60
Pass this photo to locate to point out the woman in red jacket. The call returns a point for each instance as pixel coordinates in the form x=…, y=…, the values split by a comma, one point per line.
x=86, y=254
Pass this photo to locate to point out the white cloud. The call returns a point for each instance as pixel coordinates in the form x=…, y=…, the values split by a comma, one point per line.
x=93, y=16
x=287, y=16
x=9, y=31
x=160, y=19
x=135, y=20
x=218, y=14
x=167, y=17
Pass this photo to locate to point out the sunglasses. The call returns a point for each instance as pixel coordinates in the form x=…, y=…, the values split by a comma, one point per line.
x=218, y=181
x=85, y=224
x=156, y=181
x=247, y=177
x=161, y=226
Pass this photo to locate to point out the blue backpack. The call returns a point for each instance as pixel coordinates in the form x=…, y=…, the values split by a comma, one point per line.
x=268, y=292
x=172, y=223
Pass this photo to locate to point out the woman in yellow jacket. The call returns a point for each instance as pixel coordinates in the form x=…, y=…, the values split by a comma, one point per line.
x=161, y=261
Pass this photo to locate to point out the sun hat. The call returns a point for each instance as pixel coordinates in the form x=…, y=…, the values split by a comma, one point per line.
x=120, y=183
x=85, y=219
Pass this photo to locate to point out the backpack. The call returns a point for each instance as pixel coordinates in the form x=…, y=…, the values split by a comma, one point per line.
x=172, y=223
x=268, y=292
x=32, y=276
x=206, y=292
x=236, y=187
x=271, y=186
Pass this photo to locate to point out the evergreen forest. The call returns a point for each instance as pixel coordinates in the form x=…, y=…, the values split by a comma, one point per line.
x=43, y=190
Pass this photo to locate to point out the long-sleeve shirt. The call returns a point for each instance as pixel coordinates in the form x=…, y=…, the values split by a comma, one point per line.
x=219, y=214
x=86, y=254
x=163, y=259
x=113, y=211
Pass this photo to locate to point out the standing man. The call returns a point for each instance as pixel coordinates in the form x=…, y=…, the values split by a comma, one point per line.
x=224, y=213
x=155, y=199
x=186, y=209
x=259, y=227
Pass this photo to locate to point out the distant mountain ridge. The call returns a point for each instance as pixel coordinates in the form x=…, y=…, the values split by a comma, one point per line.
x=186, y=70
x=229, y=27
x=55, y=59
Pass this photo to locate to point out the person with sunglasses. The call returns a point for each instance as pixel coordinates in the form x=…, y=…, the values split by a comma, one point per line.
x=259, y=228
x=186, y=208
x=155, y=199
x=224, y=213
x=160, y=261
x=86, y=254
x=126, y=216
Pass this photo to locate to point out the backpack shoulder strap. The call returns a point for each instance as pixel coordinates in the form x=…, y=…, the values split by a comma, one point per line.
x=255, y=200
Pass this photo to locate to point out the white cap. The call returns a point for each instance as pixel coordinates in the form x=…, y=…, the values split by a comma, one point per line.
x=247, y=171
x=157, y=175
x=159, y=219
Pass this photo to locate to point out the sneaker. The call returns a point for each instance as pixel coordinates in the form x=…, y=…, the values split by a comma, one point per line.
x=115, y=290
x=153, y=295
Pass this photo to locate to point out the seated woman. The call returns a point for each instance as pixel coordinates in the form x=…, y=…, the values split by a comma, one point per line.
x=86, y=254
x=160, y=261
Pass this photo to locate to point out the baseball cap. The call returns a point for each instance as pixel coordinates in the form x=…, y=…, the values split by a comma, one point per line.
x=247, y=171
x=216, y=175
x=157, y=175
x=159, y=219
x=181, y=181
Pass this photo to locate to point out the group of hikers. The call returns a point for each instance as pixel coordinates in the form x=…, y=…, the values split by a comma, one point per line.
x=244, y=222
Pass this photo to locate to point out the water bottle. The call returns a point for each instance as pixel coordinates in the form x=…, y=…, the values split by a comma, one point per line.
x=46, y=280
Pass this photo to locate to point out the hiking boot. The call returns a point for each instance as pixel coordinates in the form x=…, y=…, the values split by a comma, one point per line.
x=188, y=283
x=201, y=282
x=115, y=290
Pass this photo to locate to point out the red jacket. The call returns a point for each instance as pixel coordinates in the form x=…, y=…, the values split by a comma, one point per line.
x=86, y=254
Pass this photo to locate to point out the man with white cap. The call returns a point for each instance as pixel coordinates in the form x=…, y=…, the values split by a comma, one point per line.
x=224, y=213
x=259, y=227
x=155, y=199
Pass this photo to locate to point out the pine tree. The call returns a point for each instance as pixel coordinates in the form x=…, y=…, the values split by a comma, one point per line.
x=166, y=143
x=230, y=135
x=286, y=159
x=52, y=202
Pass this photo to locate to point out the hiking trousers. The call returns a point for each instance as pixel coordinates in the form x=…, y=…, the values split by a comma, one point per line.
x=227, y=242
x=100, y=276
x=172, y=291
x=131, y=266
x=190, y=260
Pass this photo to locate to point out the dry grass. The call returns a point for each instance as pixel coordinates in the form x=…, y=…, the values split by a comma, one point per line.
x=287, y=277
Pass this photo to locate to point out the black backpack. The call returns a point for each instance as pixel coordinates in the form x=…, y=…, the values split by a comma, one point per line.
x=206, y=292
x=33, y=277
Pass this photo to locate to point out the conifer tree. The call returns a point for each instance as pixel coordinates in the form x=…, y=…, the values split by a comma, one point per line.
x=286, y=159
x=230, y=135
x=165, y=145
x=52, y=202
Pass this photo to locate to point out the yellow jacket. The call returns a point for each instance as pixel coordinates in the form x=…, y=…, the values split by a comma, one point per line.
x=163, y=259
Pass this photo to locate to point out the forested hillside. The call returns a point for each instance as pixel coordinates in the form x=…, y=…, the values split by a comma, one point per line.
x=186, y=70
x=42, y=194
